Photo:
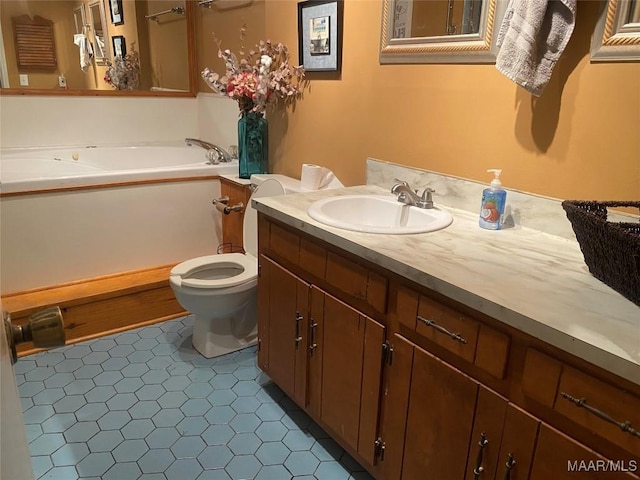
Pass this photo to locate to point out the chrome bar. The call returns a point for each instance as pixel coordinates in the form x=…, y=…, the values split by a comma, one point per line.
x=154, y=16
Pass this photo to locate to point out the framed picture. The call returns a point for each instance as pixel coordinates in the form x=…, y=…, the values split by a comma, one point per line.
x=320, y=35
x=119, y=46
x=115, y=8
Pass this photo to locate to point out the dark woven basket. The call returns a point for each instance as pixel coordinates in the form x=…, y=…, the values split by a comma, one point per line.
x=611, y=249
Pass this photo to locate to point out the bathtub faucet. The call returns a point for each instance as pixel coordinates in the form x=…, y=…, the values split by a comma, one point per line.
x=223, y=155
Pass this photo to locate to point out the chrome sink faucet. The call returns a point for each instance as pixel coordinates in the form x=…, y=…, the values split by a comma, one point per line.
x=223, y=155
x=408, y=196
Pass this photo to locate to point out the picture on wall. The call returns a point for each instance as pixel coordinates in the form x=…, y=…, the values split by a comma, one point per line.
x=320, y=35
x=320, y=42
x=115, y=8
x=119, y=46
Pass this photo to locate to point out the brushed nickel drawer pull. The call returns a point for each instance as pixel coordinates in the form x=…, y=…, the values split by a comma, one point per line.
x=582, y=403
x=441, y=329
x=510, y=464
x=298, y=336
x=479, y=468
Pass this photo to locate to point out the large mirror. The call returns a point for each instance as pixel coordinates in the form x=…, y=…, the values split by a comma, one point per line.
x=157, y=38
x=617, y=35
x=440, y=31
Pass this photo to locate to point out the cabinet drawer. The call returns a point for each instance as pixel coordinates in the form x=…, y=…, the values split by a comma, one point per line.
x=448, y=328
x=357, y=281
x=461, y=334
x=285, y=244
x=540, y=377
x=591, y=393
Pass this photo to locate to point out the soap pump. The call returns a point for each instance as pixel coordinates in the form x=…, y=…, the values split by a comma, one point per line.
x=493, y=203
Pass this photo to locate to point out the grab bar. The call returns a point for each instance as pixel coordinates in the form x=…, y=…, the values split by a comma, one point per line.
x=154, y=17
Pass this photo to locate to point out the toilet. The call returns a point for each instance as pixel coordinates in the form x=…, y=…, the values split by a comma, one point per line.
x=221, y=290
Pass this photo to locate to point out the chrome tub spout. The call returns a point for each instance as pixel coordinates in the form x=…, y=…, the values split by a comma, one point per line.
x=223, y=155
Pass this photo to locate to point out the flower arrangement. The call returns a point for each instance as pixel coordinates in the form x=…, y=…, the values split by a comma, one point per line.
x=124, y=72
x=261, y=78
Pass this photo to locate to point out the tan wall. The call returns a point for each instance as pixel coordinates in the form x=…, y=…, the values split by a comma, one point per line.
x=581, y=139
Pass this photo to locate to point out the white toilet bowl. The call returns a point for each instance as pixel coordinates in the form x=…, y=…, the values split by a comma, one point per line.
x=221, y=290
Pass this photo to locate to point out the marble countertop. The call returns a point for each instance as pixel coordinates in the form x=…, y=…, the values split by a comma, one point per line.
x=530, y=280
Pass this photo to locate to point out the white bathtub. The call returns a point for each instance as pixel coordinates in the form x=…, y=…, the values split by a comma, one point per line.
x=44, y=169
x=111, y=210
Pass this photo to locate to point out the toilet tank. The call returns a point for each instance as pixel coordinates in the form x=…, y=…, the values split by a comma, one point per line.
x=290, y=185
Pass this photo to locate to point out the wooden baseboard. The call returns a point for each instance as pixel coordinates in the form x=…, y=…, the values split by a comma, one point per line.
x=100, y=306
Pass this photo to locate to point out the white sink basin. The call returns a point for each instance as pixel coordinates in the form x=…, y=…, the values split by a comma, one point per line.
x=377, y=214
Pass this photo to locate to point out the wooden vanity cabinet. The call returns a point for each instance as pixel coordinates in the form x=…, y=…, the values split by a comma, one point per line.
x=322, y=352
x=415, y=385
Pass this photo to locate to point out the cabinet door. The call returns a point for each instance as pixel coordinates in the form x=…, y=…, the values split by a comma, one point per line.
x=561, y=458
x=282, y=327
x=345, y=369
x=507, y=434
x=439, y=420
x=395, y=403
x=491, y=410
x=518, y=444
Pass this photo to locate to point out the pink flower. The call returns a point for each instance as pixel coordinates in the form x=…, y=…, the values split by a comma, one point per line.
x=263, y=77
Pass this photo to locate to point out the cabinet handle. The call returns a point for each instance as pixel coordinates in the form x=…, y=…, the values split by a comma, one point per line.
x=510, y=464
x=387, y=353
x=312, y=335
x=479, y=468
x=441, y=329
x=582, y=403
x=379, y=448
x=298, y=336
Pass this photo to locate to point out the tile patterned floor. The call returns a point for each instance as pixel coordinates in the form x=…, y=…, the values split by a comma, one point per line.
x=144, y=405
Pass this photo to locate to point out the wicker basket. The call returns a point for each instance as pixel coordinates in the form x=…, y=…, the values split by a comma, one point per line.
x=611, y=249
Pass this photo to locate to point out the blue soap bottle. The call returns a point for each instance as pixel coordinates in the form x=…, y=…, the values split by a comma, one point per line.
x=493, y=202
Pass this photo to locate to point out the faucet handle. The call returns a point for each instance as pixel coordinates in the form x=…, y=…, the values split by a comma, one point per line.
x=427, y=200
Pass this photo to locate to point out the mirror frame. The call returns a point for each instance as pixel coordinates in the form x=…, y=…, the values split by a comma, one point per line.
x=105, y=54
x=468, y=48
x=613, y=39
x=83, y=18
x=190, y=15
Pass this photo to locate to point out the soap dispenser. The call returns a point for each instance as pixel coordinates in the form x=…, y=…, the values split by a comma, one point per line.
x=493, y=203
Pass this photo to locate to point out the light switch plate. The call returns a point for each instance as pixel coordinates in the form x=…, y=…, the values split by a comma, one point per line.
x=24, y=80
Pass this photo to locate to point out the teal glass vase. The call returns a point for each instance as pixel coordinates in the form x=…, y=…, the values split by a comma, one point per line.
x=253, y=144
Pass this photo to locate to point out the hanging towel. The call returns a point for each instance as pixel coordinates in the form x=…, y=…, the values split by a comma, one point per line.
x=533, y=35
x=86, y=51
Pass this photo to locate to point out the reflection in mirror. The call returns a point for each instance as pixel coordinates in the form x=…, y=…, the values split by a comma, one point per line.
x=98, y=19
x=440, y=31
x=434, y=18
x=80, y=19
x=165, y=47
x=617, y=35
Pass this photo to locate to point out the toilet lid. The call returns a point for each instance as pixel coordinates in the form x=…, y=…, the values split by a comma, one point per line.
x=268, y=188
x=216, y=271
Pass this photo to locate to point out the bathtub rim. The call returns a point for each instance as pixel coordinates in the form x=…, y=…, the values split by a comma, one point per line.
x=111, y=178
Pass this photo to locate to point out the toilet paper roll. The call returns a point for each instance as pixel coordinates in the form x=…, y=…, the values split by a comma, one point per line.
x=311, y=176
